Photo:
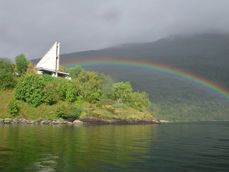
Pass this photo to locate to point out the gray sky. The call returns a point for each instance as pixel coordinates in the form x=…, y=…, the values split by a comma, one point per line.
x=31, y=26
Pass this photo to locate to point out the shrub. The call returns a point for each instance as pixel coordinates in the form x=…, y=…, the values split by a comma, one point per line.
x=107, y=88
x=21, y=64
x=70, y=92
x=140, y=101
x=75, y=71
x=31, y=90
x=7, y=74
x=63, y=89
x=69, y=112
x=89, y=86
x=13, y=108
x=55, y=84
x=51, y=93
x=79, y=101
x=122, y=92
x=30, y=68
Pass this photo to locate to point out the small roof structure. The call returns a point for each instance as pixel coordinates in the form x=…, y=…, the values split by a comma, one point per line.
x=50, y=63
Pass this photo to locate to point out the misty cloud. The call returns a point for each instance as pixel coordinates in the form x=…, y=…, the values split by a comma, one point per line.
x=31, y=27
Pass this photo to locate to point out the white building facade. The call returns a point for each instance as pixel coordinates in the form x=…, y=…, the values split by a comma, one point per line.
x=50, y=63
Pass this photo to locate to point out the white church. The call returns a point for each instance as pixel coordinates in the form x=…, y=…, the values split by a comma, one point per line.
x=50, y=63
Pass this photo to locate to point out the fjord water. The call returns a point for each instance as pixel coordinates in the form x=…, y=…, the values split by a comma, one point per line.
x=175, y=147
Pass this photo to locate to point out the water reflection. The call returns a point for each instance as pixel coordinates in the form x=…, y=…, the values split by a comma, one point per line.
x=91, y=148
x=199, y=147
x=47, y=163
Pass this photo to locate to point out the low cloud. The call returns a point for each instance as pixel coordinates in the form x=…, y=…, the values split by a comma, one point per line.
x=31, y=27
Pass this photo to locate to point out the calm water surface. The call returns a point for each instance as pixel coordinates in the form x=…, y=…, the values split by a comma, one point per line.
x=194, y=147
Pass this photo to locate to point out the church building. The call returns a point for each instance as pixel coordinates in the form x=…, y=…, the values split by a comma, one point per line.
x=50, y=63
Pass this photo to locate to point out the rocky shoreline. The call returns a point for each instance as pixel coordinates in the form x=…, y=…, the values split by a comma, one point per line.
x=87, y=121
x=98, y=121
x=18, y=121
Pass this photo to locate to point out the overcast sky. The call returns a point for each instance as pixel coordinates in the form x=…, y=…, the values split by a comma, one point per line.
x=31, y=26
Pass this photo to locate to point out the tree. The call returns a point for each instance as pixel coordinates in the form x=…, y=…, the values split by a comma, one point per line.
x=122, y=91
x=21, y=64
x=7, y=75
x=89, y=86
x=107, y=84
x=140, y=101
x=75, y=71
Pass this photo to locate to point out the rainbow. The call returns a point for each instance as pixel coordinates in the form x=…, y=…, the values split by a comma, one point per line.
x=200, y=81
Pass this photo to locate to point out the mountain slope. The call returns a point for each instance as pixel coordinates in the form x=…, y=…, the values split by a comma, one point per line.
x=203, y=55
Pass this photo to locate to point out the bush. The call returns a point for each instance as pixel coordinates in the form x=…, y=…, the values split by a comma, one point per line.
x=51, y=93
x=107, y=88
x=59, y=89
x=21, y=64
x=69, y=112
x=38, y=89
x=31, y=90
x=70, y=92
x=13, y=108
x=89, y=86
x=30, y=68
x=7, y=74
x=56, y=84
x=122, y=92
x=140, y=101
x=75, y=71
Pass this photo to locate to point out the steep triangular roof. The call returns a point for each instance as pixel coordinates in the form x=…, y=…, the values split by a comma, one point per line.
x=51, y=59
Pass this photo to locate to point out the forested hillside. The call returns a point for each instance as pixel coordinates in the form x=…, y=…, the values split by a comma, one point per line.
x=204, y=55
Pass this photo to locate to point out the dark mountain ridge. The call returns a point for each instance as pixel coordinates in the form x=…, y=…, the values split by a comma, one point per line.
x=206, y=55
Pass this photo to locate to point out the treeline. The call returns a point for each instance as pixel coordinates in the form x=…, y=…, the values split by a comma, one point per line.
x=85, y=90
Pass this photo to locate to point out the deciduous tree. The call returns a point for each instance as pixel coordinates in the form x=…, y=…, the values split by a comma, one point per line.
x=7, y=74
x=21, y=64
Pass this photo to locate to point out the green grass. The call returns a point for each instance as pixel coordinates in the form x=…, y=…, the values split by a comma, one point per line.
x=5, y=97
x=43, y=111
x=121, y=112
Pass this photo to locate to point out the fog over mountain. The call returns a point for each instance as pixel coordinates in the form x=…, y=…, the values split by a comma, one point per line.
x=31, y=27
